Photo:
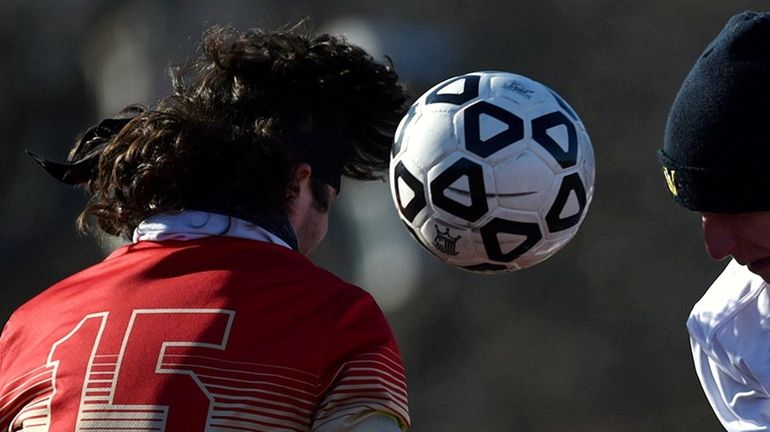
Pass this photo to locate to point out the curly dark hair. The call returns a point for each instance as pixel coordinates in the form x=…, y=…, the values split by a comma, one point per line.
x=242, y=114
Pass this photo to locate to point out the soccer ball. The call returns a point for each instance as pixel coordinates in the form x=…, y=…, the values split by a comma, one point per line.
x=492, y=171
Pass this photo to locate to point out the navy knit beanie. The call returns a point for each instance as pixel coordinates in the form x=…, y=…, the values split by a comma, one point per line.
x=716, y=149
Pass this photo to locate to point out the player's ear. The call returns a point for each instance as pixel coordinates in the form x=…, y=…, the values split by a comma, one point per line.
x=299, y=178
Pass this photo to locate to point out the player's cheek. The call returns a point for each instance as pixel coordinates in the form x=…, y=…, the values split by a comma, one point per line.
x=718, y=236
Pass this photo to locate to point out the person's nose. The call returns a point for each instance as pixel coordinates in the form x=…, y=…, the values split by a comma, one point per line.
x=718, y=235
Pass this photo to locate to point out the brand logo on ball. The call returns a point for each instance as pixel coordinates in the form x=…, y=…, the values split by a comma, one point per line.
x=519, y=88
x=445, y=242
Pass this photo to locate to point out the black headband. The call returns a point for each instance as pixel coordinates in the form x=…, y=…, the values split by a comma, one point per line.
x=80, y=168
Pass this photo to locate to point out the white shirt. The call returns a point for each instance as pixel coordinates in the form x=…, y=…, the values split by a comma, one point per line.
x=190, y=225
x=730, y=339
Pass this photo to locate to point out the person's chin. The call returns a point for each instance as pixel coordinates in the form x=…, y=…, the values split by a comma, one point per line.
x=761, y=267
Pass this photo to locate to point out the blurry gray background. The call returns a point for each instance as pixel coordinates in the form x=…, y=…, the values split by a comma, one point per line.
x=591, y=340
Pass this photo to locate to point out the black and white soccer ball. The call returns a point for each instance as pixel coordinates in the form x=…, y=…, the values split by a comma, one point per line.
x=492, y=171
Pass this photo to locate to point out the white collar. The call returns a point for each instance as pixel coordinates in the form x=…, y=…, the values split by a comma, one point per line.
x=193, y=224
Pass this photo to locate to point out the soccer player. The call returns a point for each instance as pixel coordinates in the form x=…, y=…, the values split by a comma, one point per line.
x=715, y=156
x=213, y=318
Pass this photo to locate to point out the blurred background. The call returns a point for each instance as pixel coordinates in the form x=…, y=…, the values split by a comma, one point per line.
x=591, y=340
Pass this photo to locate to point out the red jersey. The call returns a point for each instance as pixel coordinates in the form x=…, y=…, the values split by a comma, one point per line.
x=214, y=334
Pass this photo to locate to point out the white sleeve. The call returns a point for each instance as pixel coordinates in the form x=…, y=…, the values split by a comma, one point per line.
x=738, y=401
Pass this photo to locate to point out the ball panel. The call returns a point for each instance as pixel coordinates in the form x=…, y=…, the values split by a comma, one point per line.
x=587, y=163
x=403, y=127
x=568, y=205
x=523, y=182
x=557, y=135
x=408, y=192
x=493, y=129
x=447, y=191
x=506, y=240
x=487, y=268
x=554, y=137
x=564, y=105
x=405, y=174
x=459, y=189
x=489, y=128
x=454, y=91
x=431, y=138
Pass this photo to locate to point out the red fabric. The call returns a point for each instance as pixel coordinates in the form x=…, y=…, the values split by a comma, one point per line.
x=211, y=334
